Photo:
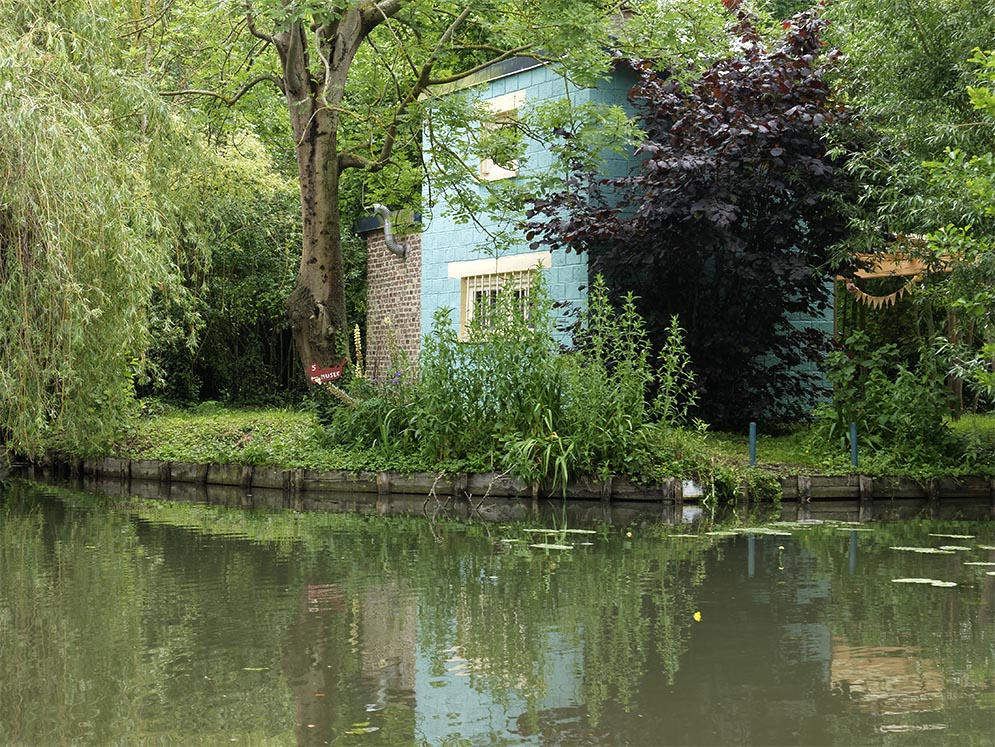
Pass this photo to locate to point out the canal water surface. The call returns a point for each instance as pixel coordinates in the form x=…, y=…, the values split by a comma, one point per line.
x=141, y=622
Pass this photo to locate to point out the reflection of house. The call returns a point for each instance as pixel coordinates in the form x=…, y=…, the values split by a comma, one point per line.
x=448, y=264
x=885, y=679
x=466, y=702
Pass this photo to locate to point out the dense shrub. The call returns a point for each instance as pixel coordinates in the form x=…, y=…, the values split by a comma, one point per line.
x=902, y=413
x=726, y=219
x=508, y=398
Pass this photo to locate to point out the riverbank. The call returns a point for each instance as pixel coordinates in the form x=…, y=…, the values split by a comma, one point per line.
x=500, y=497
x=282, y=458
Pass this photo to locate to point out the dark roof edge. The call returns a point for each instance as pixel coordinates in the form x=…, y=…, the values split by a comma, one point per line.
x=502, y=69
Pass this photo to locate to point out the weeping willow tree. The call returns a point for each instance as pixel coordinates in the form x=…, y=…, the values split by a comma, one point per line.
x=84, y=222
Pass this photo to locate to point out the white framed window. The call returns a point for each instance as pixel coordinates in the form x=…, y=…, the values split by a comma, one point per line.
x=481, y=280
x=505, y=110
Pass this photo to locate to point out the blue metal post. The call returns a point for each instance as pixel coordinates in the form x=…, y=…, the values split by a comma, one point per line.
x=853, y=444
x=753, y=444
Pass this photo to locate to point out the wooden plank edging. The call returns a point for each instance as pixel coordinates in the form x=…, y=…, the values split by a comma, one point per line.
x=863, y=489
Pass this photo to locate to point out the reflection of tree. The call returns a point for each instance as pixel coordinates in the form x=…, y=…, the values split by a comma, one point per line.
x=113, y=632
x=348, y=659
x=57, y=647
x=316, y=664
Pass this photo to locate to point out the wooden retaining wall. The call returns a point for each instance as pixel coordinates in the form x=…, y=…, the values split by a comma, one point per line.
x=857, y=497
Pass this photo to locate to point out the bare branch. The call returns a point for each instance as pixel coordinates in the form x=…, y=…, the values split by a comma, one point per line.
x=251, y=20
x=229, y=100
x=467, y=73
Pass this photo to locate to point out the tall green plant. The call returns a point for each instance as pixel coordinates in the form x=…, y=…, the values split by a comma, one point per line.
x=507, y=398
x=900, y=412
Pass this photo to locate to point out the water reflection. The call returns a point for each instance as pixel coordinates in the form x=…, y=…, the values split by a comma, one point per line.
x=179, y=623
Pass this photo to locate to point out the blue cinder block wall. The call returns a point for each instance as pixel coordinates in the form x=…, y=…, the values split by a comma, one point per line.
x=445, y=241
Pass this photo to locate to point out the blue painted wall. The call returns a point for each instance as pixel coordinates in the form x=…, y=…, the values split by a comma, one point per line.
x=445, y=241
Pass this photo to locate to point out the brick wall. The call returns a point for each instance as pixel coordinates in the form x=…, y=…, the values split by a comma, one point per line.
x=393, y=303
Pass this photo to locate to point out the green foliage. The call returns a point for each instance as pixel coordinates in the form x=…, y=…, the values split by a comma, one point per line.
x=210, y=433
x=222, y=330
x=724, y=217
x=966, y=294
x=899, y=411
x=508, y=399
x=88, y=154
x=970, y=246
x=907, y=68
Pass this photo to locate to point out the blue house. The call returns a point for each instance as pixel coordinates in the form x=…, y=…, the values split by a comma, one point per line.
x=456, y=273
x=450, y=264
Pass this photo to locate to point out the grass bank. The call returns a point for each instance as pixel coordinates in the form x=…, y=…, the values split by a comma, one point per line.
x=291, y=438
x=286, y=438
x=799, y=451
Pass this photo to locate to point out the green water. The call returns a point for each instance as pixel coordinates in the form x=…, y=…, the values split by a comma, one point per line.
x=138, y=622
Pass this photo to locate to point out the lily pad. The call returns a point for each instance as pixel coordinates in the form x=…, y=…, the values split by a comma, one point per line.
x=853, y=529
x=551, y=546
x=356, y=730
x=721, y=534
x=562, y=531
x=687, y=536
x=763, y=530
x=927, y=581
x=954, y=547
x=977, y=562
x=925, y=550
x=903, y=728
x=954, y=536
x=986, y=547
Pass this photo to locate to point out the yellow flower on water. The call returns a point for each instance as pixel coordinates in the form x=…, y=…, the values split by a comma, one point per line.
x=697, y=617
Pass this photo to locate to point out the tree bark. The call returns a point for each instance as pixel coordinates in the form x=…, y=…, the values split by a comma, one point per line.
x=316, y=308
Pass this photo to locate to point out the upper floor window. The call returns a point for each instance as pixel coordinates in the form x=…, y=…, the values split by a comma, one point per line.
x=500, y=137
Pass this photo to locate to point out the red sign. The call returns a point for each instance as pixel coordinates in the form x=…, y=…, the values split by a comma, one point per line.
x=321, y=375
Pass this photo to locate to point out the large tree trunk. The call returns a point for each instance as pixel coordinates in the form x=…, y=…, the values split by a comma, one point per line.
x=316, y=307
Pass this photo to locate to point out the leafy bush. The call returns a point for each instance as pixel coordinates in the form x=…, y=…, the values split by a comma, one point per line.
x=726, y=218
x=508, y=398
x=899, y=411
